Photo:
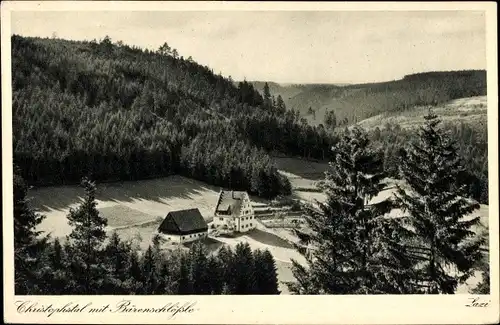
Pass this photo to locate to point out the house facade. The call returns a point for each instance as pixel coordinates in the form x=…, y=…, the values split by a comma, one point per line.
x=183, y=226
x=234, y=212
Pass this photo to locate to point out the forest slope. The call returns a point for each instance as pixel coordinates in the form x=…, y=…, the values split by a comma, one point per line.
x=115, y=112
x=353, y=103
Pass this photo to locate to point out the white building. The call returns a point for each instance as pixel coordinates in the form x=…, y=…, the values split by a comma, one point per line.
x=234, y=211
x=183, y=226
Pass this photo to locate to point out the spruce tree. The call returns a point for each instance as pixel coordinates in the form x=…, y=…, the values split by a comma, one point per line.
x=117, y=255
x=87, y=238
x=135, y=279
x=150, y=273
x=266, y=274
x=280, y=105
x=267, y=96
x=216, y=282
x=351, y=247
x=184, y=281
x=225, y=256
x=57, y=279
x=29, y=244
x=442, y=240
x=243, y=268
x=199, y=272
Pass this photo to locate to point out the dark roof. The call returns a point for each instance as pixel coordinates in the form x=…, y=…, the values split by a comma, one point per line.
x=230, y=202
x=183, y=222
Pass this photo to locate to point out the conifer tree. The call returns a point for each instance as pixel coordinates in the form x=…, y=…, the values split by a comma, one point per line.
x=351, y=241
x=87, y=238
x=117, y=254
x=149, y=272
x=56, y=275
x=244, y=281
x=266, y=274
x=443, y=240
x=29, y=244
x=280, y=105
x=199, y=273
x=164, y=277
x=135, y=272
x=184, y=283
x=226, y=256
x=267, y=96
x=216, y=281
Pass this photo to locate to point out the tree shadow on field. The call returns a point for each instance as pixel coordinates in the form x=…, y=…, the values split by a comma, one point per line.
x=45, y=199
x=210, y=243
x=268, y=238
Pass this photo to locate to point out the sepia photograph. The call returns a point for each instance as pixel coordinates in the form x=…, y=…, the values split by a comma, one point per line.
x=250, y=152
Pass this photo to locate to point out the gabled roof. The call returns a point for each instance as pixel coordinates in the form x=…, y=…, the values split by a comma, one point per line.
x=230, y=202
x=183, y=222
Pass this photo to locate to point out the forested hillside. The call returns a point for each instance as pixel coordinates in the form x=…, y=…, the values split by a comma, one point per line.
x=115, y=112
x=383, y=107
x=353, y=103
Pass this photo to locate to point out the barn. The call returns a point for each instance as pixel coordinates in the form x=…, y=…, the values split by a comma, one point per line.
x=183, y=226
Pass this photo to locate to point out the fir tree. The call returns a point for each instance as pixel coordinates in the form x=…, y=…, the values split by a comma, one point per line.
x=199, y=273
x=117, y=255
x=149, y=271
x=56, y=275
x=267, y=96
x=135, y=272
x=243, y=268
x=443, y=240
x=266, y=274
x=184, y=283
x=29, y=244
x=216, y=280
x=87, y=238
x=280, y=105
x=225, y=256
x=351, y=242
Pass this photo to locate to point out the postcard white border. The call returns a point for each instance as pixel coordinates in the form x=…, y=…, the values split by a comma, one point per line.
x=381, y=309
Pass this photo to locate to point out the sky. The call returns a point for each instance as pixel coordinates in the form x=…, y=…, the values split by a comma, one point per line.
x=287, y=46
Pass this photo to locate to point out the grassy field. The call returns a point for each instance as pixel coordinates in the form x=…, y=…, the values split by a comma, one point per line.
x=125, y=203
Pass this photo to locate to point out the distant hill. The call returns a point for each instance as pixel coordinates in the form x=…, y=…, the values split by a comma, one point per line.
x=286, y=91
x=353, y=103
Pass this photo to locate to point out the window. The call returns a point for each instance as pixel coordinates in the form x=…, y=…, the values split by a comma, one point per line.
x=250, y=224
x=221, y=219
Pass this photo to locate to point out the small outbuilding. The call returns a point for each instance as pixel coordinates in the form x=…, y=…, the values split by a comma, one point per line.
x=183, y=226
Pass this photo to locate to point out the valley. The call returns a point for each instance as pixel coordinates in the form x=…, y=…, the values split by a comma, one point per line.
x=160, y=134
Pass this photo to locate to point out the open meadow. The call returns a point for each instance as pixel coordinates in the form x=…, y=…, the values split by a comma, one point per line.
x=135, y=210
